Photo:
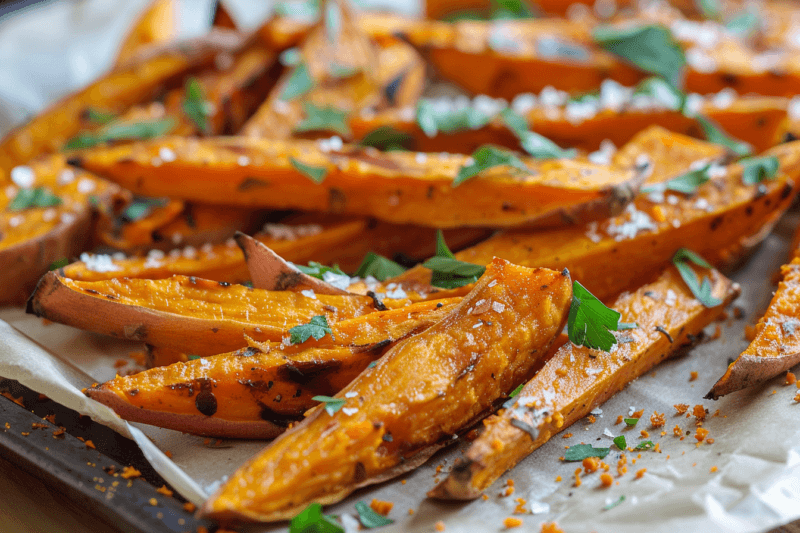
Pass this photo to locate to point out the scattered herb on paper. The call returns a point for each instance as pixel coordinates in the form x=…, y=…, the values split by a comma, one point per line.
x=579, y=452
x=621, y=443
x=630, y=422
x=312, y=520
x=369, y=518
x=645, y=445
x=614, y=503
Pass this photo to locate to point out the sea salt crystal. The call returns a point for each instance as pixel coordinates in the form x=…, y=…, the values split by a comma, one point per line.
x=99, y=262
x=351, y=394
x=308, y=293
x=349, y=411
x=167, y=155
x=23, y=176
x=498, y=307
x=66, y=176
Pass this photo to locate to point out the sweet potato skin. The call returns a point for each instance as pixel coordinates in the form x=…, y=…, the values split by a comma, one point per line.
x=776, y=347
x=187, y=314
x=583, y=379
x=387, y=417
x=403, y=188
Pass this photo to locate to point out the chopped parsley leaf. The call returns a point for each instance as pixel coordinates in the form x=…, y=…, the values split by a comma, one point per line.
x=318, y=270
x=516, y=391
x=312, y=520
x=536, y=145
x=315, y=174
x=650, y=47
x=685, y=183
x=331, y=404
x=38, y=197
x=449, y=272
x=700, y=290
x=757, y=169
x=590, y=322
x=716, y=135
x=614, y=504
x=630, y=422
x=379, y=267
x=195, y=105
x=323, y=119
x=432, y=120
x=645, y=445
x=122, y=131
x=579, y=452
x=298, y=84
x=620, y=442
x=369, y=518
x=317, y=327
x=386, y=138
x=484, y=158
x=55, y=265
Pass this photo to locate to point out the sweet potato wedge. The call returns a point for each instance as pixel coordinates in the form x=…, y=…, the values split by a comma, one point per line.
x=776, y=347
x=33, y=235
x=759, y=121
x=456, y=372
x=626, y=251
x=402, y=187
x=156, y=25
x=134, y=82
x=188, y=314
x=583, y=379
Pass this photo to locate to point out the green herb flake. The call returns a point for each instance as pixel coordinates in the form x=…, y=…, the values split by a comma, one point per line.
x=651, y=48
x=312, y=520
x=516, y=391
x=627, y=325
x=744, y=23
x=700, y=290
x=386, y=138
x=579, y=452
x=369, y=518
x=645, y=445
x=317, y=327
x=630, y=422
x=431, y=120
x=620, y=442
x=661, y=91
x=38, y=197
x=685, y=183
x=315, y=174
x=715, y=134
x=449, y=272
x=511, y=10
x=195, y=105
x=61, y=263
x=590, y=323
x=318, y=270
x=298, y=84
x=323, y=119
x=711, y=9
x=379, y=267
x=372, y=364
x=614, y=504
x=193, y=357
x=331, y=404
x=122, y=131
x=98, y=116
x=536, y=145
x=139, y=208
x=484, y=158
x=757, y=169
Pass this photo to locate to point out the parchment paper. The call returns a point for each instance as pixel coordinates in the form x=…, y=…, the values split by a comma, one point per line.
x=756, y=486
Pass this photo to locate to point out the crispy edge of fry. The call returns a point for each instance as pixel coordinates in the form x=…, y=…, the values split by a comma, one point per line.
x=156, y=25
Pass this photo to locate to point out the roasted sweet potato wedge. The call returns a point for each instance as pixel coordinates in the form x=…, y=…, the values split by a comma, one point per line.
x=156, y=25
x=776, y=347
x=626, y=251
x=759, y=121
x=257, y=391
x=577, y=379
x=422, y=391
x=46, y=217
x=184, y=313
x=134, y=82
x=398, y=187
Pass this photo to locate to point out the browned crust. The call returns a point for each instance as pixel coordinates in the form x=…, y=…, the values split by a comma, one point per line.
x=207, y=426
x=749, y=370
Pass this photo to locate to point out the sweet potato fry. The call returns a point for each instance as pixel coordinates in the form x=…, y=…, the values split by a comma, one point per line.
x=776, y=347
x=156, y=25
x=402, y=187
x=188, y=314
x=583, y=379
x=759, y=121
x=46, y=217
x=221, y=18
x=389, y=424
x=134, y=82
x=626, y=251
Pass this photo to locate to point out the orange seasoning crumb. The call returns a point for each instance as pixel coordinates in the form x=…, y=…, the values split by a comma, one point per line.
x=520, y=508
x=497, y=445
x=677, y=431
x=511, y=522
x=644, y=434
x=439, y=526
x=709, y=441
x=657, y=448
x=606, y=480
x=17, y=401
x=658, y=419
x=381, y=507
x=693, y=374
x=681, y=408
x=791, y=379
x=749, y=332
x=797, y=397
x=202, y=529
x=485, y=497
x=403, y=482
x=701, y=434
x=712, y=470
x=50, y=418
x=566, y=435
x=130, y=472
x=699, y=412
x=558, y=479
x=552, y=527
x=592, y=419
x=604, y=466
x=620, y=418
x=638, y=414
x=90, y=444
x=168, y=453
x=189, y=507
x=509, y=491
x=153, y=502
x=663, y=433
x=621, y=465
x=119, y=363
x=640, y=473
x=411, y=511
x=717, y=332
x=590, y=464
x=164, y=490
x=578, y=477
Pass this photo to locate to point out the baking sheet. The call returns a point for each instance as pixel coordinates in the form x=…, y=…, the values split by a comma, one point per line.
x=756, y=486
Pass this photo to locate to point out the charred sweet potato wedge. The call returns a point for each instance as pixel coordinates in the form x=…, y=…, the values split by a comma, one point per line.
x=577, y=379
x=397, y=187
x=156, y=25
x=421, y=392
x=138, y=80
x=623, y=252
x=776, y=347
x=46, y=217
x=255, y=392
x=759, y=121
x=184, y=313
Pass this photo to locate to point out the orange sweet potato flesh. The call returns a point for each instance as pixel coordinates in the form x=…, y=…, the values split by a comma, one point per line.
x=776, y=347
x=421, y=392
x=759, y=121
x=256, y=391
x=132, y=83
x=156, y=25
x=723, y=214
x=33, y=238
x=192, y=315
x=397, y=187
x=577, y=379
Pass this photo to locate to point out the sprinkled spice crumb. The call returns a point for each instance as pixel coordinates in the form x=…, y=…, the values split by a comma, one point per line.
x=410, y=511
x=657, y=448
x=590, y=464
x=663, y=433
x=497, y=445
x=130, y=472
x=509, y=491
x=712, y=470
x=606, y=480
x=709, y=441
x=716, y=413
x=592, y=419
x=640, y=473
x=119, y=363
x=558, y=479
x=604, y=466
x=749, y=332
x=168, y=454
x=578, y=477
x=797, y=397
x=717, y=332
x=484, y=497
x=189, y=507
x=164, y=490
x=520, y=508
x=644, y=434
x=551, y=527
x=59, y=432
x=512, y=522
x=38, y=425
x=620, y=418
x=699, y=413
x=681, y=408
x=25, y=433
x=791, y=379
x=658, y=419
x=677, y=431
x=90, y=444
x=621, y=468
x=381, y=507
x=153, y=502
x=439, y=526
x=403, y=482
x=566, y=435
x=637, y=414
x=701, y=434
x=692, y=376
x=50, y=418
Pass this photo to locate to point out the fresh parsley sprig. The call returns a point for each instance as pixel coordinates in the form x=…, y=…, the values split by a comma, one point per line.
x=317, y=327
x=700, y=290
x=590, y=322
x=379, y=267
x=369, y=518
x=449, y=272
